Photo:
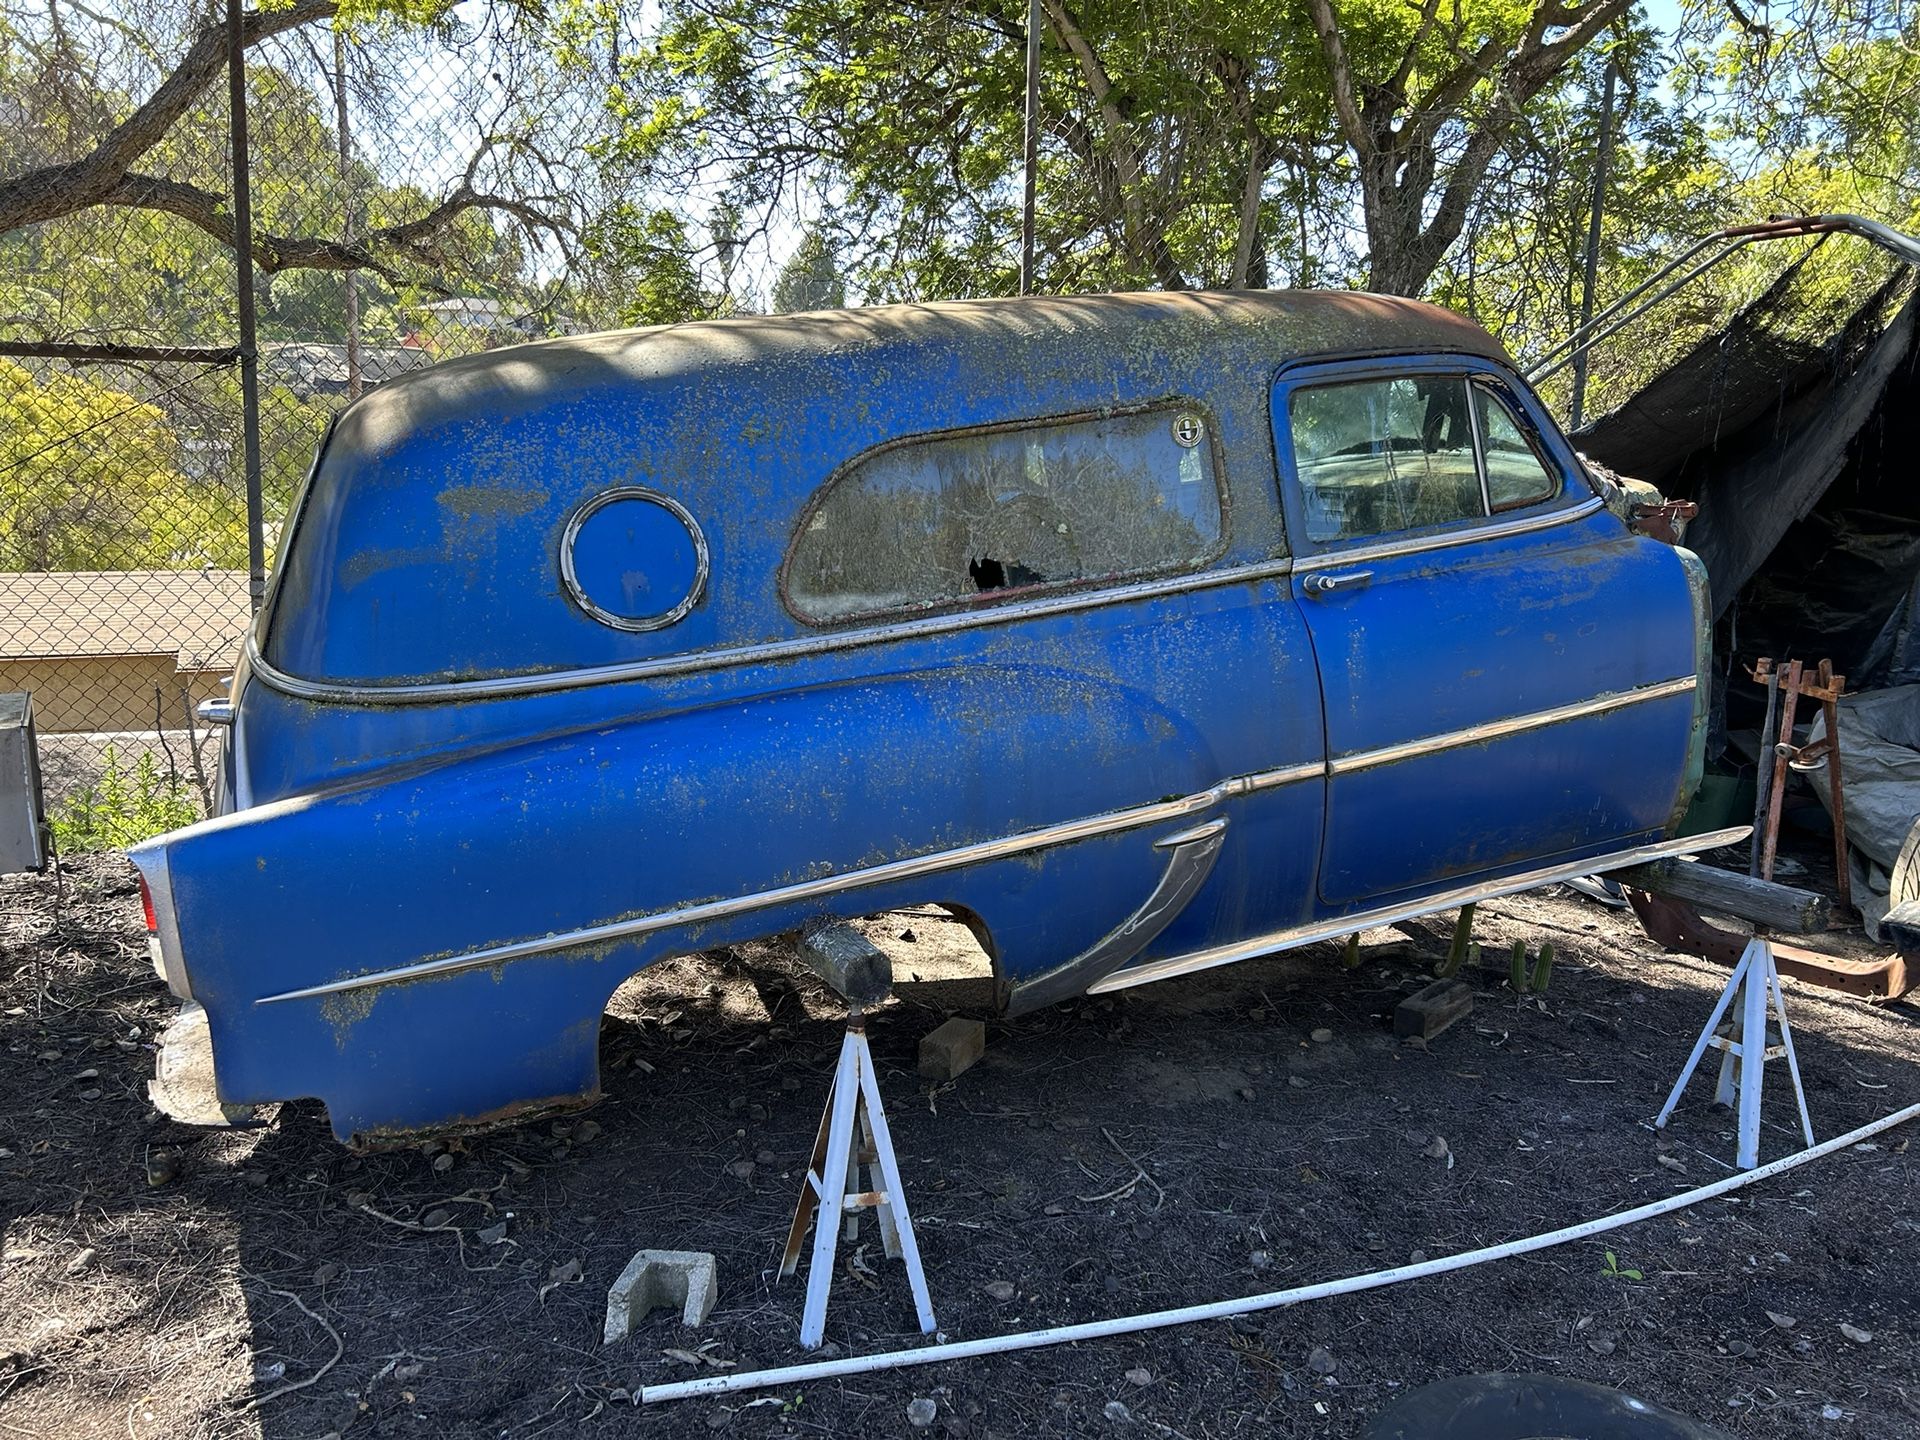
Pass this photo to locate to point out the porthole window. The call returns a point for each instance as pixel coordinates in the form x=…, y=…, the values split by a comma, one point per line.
x=634, y=559
x=978, y=515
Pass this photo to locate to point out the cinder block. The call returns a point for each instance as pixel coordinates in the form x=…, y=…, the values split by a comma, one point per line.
x=952, y=1048
x=1427, y=1012
x=653, y=1278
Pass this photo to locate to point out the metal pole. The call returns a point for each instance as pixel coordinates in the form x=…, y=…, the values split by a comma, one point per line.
x=243, y=264
x=1603, y=152
x=348, y=218
x=1031, y=149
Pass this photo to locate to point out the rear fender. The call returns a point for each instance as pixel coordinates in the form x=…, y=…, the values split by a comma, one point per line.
x=437, y=948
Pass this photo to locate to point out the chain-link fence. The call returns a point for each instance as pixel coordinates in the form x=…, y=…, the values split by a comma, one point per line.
x=415, y=191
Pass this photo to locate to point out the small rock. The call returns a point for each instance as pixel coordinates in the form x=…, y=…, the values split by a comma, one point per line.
x=586, y=1130
x=1670, y=1163
x=1739, y=1349
x=741, y=1169
x=92, y=1092
x=1139, y=1375
x=1321, y=1036
x=921, y=1412
x=1321, y=1362
x=718, y=1419
x=436, y=1217
x=1832, y=1412
x=765, y=1157
x=1803, y=1346
x=1001, y=1290
x=1418, y=1257
x=50, y=1056
x=491, y=1234
x=1118, y=1413
x=1260, y=1260
x=1856, y=1334
x=162, y=1167
x=83, y=1262
x=1780, y=1321
x=88, y=1075
x=326, y=1274
x=267, y=1374
x=1436, y=1149
x=1600, y=1345
x=1296, y=1082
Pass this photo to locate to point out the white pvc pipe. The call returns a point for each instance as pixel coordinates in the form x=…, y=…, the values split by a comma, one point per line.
x=1222, y=1309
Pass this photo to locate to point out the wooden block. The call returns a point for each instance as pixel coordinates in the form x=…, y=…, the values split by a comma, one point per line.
x=1427, y=1012
x=952, y=1048
x=1783, y=907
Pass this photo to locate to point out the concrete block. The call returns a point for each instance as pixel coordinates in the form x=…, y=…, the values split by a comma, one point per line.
x=682, y=1279
x=952, y=1048
x=1427, y=1012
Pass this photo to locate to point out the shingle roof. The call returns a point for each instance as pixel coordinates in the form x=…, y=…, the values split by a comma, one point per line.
x=199, y=615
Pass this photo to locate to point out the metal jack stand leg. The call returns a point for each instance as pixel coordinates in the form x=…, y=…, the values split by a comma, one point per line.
x=831, y=1190
x=1756, y=983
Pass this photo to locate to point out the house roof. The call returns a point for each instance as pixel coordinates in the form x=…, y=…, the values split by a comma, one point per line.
x=200, y=616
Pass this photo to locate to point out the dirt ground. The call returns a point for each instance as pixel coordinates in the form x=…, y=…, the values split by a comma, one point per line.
x=1243, y=1131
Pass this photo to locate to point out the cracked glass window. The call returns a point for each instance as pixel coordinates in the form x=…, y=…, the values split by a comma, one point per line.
x=986, y=513
x=1380, y=456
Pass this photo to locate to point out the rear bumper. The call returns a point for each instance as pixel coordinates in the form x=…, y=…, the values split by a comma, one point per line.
x=184, y=1087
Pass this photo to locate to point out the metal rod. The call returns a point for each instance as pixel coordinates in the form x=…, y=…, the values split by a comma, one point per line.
x=1902, y=246
x=1781, y=753
x=1030, y=149
x=62, y=350
x=1836, y=800
x=1763, y=770
x=348, y=219
x=1274, y=1300
x=243, y=263
x=1602, y=153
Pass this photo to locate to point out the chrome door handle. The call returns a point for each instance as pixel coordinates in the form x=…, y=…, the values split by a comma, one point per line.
x=1326, y=584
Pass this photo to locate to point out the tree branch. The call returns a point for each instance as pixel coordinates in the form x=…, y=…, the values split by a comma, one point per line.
x=55, y=190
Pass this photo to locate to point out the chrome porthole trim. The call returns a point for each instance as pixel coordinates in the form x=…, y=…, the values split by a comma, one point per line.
x=634, y=623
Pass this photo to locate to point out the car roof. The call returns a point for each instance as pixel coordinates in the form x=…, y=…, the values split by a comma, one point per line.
x=1173, y=328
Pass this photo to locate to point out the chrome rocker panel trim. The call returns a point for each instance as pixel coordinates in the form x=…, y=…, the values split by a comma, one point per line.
x=1391, y=914
x=1189, y=863
x=934, y=862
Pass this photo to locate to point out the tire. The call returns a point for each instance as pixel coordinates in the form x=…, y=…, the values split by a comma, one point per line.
x=1905, y=874
x=1531, y=1407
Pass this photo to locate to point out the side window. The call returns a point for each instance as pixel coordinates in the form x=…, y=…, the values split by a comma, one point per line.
x=951, y=518
x=1516, y=475
x=1378, y=456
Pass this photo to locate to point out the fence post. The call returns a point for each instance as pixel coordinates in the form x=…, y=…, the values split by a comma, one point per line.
x=249, y=348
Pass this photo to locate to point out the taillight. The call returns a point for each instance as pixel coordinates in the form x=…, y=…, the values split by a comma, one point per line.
x=146, y=907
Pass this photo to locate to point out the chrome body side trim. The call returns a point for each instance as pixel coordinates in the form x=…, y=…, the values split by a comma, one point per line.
x=731, y=657
x=1513, y=725
x=1190, y=858
x=934, y=862
x=1391, y=914
x=1065, y=833
x=1419, y=544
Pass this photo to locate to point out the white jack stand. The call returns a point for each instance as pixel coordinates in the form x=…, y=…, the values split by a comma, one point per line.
x=1756, y=981
x=832, y=1187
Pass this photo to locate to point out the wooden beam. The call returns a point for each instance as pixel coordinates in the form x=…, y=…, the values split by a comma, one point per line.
x=1765, y=902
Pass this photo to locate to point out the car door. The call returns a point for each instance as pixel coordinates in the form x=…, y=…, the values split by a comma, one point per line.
x=1507, y=673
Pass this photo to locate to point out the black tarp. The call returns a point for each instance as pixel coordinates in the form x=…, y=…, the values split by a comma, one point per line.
x=1796, y=427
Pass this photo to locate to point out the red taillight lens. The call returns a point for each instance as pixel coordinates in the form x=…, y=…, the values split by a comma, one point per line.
x=146, y=907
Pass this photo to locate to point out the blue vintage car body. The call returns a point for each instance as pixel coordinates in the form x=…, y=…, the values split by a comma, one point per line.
x=485, y=764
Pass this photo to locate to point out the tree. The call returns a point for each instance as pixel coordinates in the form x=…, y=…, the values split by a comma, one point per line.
x=809, y=280
x=1190, y=145
x=132, y=148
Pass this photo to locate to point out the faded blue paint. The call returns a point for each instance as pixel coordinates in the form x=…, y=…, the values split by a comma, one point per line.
x=376, y=836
